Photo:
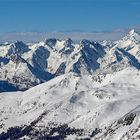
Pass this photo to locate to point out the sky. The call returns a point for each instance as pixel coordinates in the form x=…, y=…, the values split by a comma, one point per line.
x=60, y=17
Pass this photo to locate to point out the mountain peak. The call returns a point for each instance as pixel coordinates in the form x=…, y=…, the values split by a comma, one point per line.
x=131, y=32
x=51, y=42
x=132, y=35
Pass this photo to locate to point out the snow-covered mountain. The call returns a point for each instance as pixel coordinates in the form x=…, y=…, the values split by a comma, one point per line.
x=88, y=90
x=27, y=65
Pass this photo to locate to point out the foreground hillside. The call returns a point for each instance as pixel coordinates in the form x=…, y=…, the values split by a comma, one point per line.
x=105, y=107
x=62, y=90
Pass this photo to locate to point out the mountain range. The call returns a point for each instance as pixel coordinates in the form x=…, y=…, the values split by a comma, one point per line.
x=59, y=89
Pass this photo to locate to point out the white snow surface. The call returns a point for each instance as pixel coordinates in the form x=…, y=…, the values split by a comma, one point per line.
x=75, y=100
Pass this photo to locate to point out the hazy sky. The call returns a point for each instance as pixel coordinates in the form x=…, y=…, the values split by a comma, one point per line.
x=68, y=15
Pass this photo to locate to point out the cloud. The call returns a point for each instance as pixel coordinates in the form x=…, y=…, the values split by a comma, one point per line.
x=74, y=35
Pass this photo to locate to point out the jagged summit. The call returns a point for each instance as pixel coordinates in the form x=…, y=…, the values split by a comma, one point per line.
x=39, y=62
x=133, y=35
x=51, y=42
x=68, y=41
x=131, y=32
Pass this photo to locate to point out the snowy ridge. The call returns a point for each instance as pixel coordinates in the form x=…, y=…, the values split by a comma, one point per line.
x=75, y=91
x=27, y=65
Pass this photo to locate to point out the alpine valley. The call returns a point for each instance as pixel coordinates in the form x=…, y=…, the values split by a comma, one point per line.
x=59, y=89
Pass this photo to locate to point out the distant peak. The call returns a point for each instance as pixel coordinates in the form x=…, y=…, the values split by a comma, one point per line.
x=131, y=32
x=51, y=42
x=6, y=43
x=132, y=35
x=85, y=41
x=68, y=40
x=19, y=43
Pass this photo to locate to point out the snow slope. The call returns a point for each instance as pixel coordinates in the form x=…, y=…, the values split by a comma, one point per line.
x=79, y=101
